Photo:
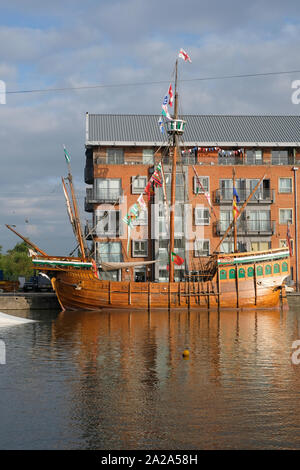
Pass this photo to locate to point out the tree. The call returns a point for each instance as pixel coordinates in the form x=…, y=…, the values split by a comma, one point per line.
x=16, y=262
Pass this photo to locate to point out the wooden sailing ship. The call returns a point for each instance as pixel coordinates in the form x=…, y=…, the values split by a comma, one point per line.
x=235, y=280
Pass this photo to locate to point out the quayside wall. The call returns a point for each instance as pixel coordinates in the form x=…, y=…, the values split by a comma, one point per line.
x=28, y=301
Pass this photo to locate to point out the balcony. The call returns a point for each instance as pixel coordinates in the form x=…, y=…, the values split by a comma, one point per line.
x=230, y=161
x=103, y=196
x=262, y=196
x=248, y=227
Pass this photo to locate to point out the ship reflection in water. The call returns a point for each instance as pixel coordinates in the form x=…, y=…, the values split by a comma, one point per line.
x=119, y=380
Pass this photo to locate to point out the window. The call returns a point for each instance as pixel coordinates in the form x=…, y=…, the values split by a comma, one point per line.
x=107, y=189
x=163, y=275
x=201, y=216
x=201, y=184
x=138, y=184
x=163, y=255
x=284, y=244
x=148, y=156
x=259, y=221
x=142, y=218
x=258, y=195
x=201, y=248
x=226, y=189
x=115, y=156
x=263, y=191
x=163, y=252
x=285, y=185
x=108, y=224
x=178, y=220
x=139, y=248
x=178, y=274
x=285, y=216
x=226, y=247
x=109, y=252
x=254, y=157
x=260, y=246
x=282, y=157
x=140, y=274
x=180, y=190
x=225, y=220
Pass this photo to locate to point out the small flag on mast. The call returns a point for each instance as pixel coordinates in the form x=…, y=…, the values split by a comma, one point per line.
x=67, y=156
x=170, y=93
x=236, y=199
x=165, y=112
x=161, y=125
x=236, y=195
x=183, y=55
x=177, y=259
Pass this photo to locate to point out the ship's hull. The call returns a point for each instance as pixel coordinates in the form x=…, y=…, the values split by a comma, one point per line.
x=238, y=280
x=79, y=291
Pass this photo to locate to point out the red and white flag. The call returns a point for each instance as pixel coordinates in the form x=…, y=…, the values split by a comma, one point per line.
x=183, y=55
x=170, y=93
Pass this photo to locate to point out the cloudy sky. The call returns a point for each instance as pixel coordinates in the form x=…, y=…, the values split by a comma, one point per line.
x=128, y=43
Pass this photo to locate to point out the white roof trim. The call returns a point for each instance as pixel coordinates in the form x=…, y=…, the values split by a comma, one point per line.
x=194, y=144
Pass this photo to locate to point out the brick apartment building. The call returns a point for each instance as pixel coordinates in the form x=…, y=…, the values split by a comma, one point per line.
x=122, y=152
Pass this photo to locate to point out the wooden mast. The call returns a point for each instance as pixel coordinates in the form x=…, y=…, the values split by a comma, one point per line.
x=173, y=184
x=69, y=208
x=26, y=240
x=234, y=214
x=80, y=239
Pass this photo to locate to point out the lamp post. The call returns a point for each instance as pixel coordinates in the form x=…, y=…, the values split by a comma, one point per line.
x=295, y=169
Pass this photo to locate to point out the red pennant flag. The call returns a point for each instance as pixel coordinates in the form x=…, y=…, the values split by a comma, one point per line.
x=148, y=190
x=170, y=93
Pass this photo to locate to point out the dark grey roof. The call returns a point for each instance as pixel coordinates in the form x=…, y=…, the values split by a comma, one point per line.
x=200, y=129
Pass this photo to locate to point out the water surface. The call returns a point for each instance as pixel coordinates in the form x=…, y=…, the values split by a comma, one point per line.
x=119, y=381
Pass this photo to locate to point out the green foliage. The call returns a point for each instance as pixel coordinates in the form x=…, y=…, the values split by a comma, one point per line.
x=16, y=262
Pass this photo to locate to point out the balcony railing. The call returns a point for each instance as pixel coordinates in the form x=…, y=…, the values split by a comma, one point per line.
x=230, y=161
x=248, y=227
x=114, y=230
x=192, y=159
x=103, y=195
x=266, y=196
